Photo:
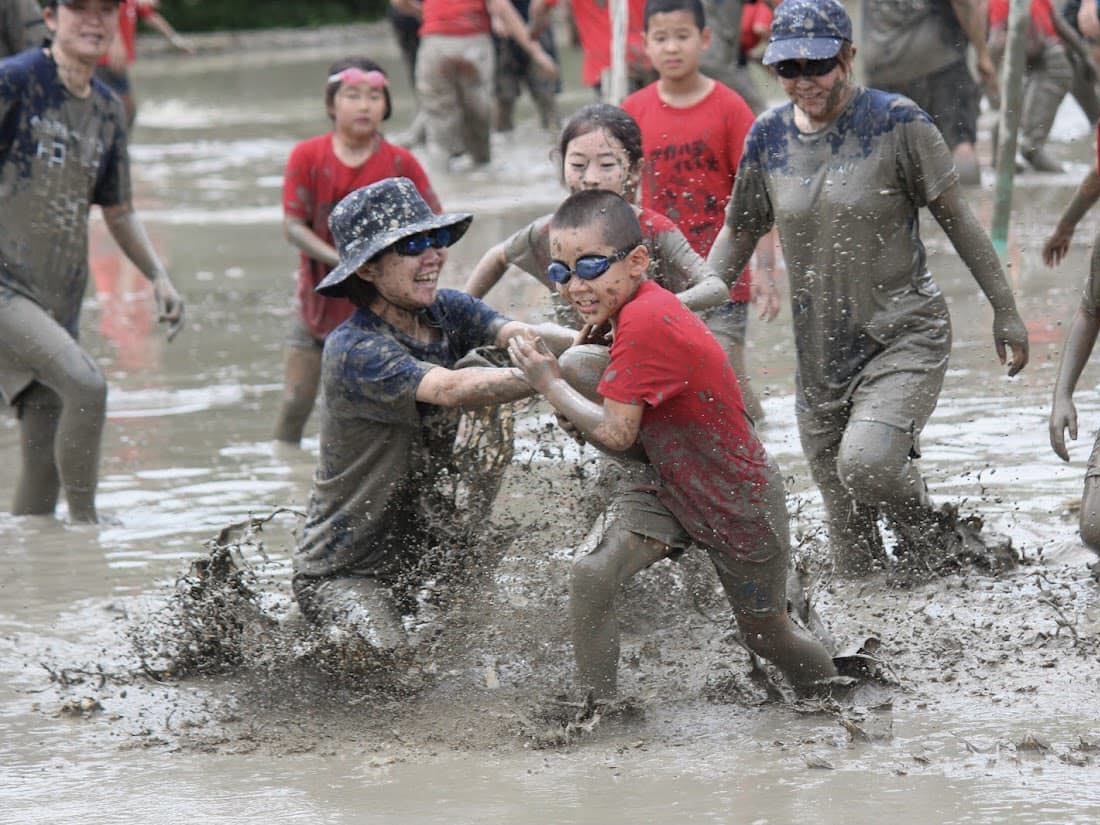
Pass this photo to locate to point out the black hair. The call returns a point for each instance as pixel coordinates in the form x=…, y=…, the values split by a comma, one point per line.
x=615, y=218
x=653, y=7
x=364, y=63
x=617, y=123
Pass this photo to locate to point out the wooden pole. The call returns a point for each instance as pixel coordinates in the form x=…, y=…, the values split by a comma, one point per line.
x=1012, y=95
x=615, y=90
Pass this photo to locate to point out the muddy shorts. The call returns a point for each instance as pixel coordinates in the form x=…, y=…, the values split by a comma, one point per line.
x=729, y=323
x=1093, y=468
x=899, y=387
x=752, y=588
x=299, y=337
x=951, y=96
x=35, y=348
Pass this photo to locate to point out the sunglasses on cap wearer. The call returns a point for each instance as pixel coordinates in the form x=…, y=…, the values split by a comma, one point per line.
x=791, y=69
x=353, y=75
x=418, y=244
x=588, y=267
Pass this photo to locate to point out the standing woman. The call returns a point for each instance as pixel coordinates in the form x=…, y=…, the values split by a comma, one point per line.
x=843, y=172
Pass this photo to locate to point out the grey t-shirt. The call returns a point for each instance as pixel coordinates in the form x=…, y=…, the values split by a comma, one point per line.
x=59, y=154
x=846, y=201
x=907, y=39
x=381, y=450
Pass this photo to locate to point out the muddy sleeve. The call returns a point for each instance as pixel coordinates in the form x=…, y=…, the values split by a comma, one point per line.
x=112, y=186
x=924, y=162
x=375, y=379
x=750, y=207
x=468, y=322
x=678, y=265
x=529, y=249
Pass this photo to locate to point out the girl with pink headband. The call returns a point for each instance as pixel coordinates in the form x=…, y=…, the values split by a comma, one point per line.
x=319, y=173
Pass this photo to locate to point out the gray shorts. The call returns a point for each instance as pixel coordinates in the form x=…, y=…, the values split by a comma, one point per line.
x=729, y=323
x=951, y=96
x=299, y=336
x=753, y=588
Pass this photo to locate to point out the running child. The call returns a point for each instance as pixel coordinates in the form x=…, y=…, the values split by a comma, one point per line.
x=319, y=173
x=601, y=148
x=693, y=131
x=669, y=387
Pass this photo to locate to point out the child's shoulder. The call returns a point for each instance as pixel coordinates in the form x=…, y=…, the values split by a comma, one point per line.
x=316, y=145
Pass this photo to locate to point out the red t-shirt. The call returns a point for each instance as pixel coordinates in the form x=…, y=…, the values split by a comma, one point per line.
x=593, y=21
x=712, y=467
x=1041, y=16
x=691, y=158
x=129, y=12
x=756, y=20
x=454, y=17
x=316, y=180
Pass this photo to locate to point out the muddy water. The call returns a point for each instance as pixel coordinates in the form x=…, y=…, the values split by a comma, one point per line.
x=187, y=450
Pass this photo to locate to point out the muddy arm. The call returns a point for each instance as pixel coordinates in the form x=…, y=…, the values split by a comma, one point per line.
x=976, y=250
x=473, y=387
x=300, y=235
x=129, y=234
x=558, y=338
x=972, y=16
x=489, y=270
x=1057, y=245
x=731, y=253
x=1075, y=354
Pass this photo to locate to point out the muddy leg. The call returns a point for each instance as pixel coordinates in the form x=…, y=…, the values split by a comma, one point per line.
x=356, y=604
x=1047, y=84
x=802, y=659
x=1090, y=513
x=874, y=464
x=735, y=351
x=596, y=579
x=301, y=376
x=39, y=484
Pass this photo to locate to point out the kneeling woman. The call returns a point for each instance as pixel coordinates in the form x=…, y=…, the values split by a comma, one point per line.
x=391, y=406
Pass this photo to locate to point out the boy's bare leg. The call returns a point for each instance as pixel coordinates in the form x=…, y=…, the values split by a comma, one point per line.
x=301, y=377
x=803, y=660
x=39, y=484
x=596, y=579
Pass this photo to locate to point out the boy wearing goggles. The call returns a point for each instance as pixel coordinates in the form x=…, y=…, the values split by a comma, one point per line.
x=669, y=389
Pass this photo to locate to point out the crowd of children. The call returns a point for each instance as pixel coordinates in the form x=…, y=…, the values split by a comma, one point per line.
x=670, y=197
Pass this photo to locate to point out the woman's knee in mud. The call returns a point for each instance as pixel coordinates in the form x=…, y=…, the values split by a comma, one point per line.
x=873, y=463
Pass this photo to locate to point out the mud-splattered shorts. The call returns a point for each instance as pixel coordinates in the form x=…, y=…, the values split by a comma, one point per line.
x=753, y=588
x=729, y=323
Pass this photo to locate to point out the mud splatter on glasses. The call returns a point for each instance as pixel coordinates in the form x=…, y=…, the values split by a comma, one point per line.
x=588, y=267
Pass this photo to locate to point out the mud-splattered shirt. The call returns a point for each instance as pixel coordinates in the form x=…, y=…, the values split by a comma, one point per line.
x=315, y=181
x=381, y=449
x=672, y=262
x=59, y=154
x=21, y=26
x=712, y=467
x=907, y=39
x=846, y=200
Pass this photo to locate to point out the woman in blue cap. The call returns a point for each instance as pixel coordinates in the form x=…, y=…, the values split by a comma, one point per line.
x=843, y=172
x=391, y=404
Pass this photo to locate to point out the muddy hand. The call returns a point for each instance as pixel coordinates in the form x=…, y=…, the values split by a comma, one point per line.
x=169, y=305
x=536, y=360
x=1063, y=416
x=594, y=334
x=1056, y=247
x=1009, y=332
x=765, y=295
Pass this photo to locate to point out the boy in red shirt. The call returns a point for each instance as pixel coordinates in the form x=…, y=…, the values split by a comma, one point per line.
x=693, y=131
x=669, y=389
x=319, y=173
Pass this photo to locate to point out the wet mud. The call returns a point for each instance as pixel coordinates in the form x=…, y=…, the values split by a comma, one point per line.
x=155, y=668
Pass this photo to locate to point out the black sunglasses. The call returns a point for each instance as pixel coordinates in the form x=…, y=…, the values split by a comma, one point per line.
x=791, y=69
x=588, y=267
x=417, y=244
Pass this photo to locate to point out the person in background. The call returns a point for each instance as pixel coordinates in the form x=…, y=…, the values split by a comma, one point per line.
x=63, y=148
x=21, y=26
x=515, y=69
x=114, y=67
x=319, y=173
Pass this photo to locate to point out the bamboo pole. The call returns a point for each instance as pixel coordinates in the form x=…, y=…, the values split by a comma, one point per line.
x=615, y=91
x=1012, y=94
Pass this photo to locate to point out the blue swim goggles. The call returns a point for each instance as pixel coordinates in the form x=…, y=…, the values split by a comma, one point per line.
x=588, y=267
x=418, y=244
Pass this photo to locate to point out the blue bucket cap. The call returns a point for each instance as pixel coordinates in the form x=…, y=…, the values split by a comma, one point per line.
x=807, y=30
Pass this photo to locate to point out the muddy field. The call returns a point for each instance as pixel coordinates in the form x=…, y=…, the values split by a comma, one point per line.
x=150, y=670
